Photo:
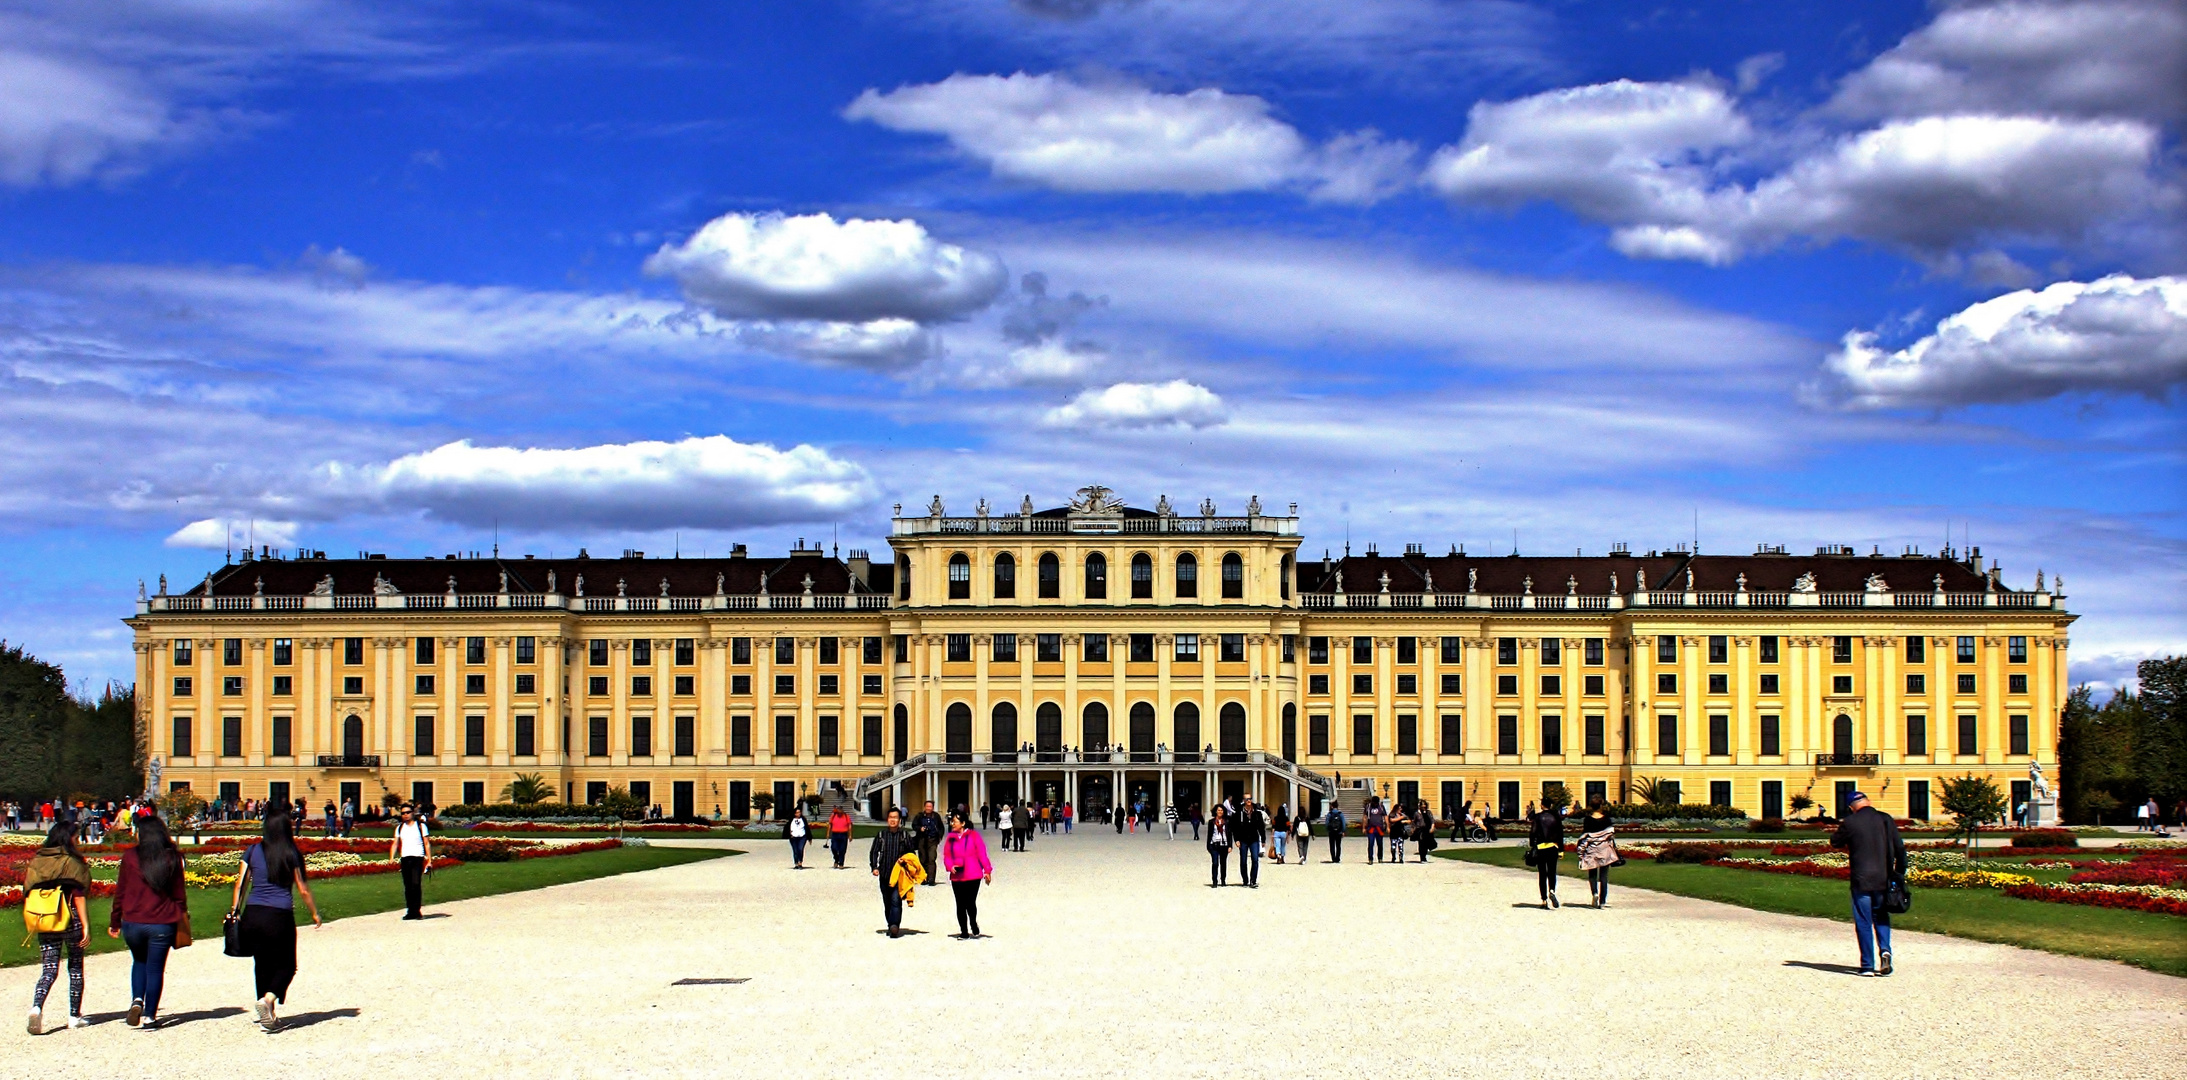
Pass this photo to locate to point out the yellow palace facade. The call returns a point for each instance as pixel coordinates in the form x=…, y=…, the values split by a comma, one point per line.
x=1098, y=653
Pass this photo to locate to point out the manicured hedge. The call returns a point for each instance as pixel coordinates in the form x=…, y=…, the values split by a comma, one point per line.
x=529, y=811
x=1766, y=825
x=2046, y=838
x=1691, y=853
x=1699, y=812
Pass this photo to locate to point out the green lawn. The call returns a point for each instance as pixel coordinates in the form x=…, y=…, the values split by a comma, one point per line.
x=2156, y=942
x=340, y=898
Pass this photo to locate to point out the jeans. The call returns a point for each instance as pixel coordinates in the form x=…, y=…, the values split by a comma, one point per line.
x=892, y=905
x=1249, y=864
x=1279, y=841
x=1066, y=826
x=148, y=947
x=1219, y=870
x=1871, y=927
x=797, y=851
x=968, y=906
x=1598, y=884
x=1336, y=846
x=838, y=845
x=413, y=884
x=1374, y=846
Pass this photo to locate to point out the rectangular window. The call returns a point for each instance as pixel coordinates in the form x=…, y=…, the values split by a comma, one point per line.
x=686, y=685
x=284, y=652
x=2014, y=684
x=1666, y=733
x=687, y=736
x=183, y=686
x=1188, y=648
x=1507, y=650
x=1841, y=649
x=903, y=647
x=352, y=685
x=1454, y=650
x=2016, y=650
x=1408, y=650
x=474, y=736
x=1363, y=684
x=284, y=685
x=1917, y=683
x=740, y=736
x=1552, y=685
x=1773, y=800
x=232, y=686
x=474, y=792
x=1841, y=684
x=830, y=736
x=1591, y=728
x=1317, y=734
x=231, y=651
x=1552, y=651
x=596, y=652
x=1317, y=684
x=786, y=736
x=596, y=737
x=527, y=736
x=687, y=650
x=474, y=684
x=785, y=684
x=474, y=650
x=1666, y=683
x=831, y=651
x=595, y=790
x=872, y=683
x=1719, y=683
x=641, y=736
x=869, y=651
x=283, y=730
x=1408, y=734
x=1454, y=734
x=1317, y=650
x=1719, y=649
x=353, y=650
x=1719, y=793
x=1966, y=650
x=1141, y=648
x=957, y=648
x=1666, y=649
x=1917, y=649
x=422, y=736
x=640, y=686
x=424, y=651
x=740, y=684
x=1772, y=736
x=1969, y=745
x=182, y=656
x=1233, y=648
x=2016, y=730
x=1507, y=735
x=829, y=685
x=1362, y=734
x=179, y=746
x=1917, y=733
x=1719, y=735
x=1917, y=800
x=869, y=743
x=527, y=683
x=1769, y=684
x=1408, y=684
x=1552, y=734
x=1507, y=685
x=1766, y=647
x=1094, y=648
x=1363, y=650
x=740, y=650
x=1966, y=684
x=1453, y=683
x=1592, y=656
x=785, y=650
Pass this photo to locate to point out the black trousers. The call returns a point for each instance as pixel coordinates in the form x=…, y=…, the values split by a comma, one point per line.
x=968, y=906
x=413, y=883
x=1336, y=847
x=892, y=905
x=270, y=932
x=1545, y=873
x=1220, y=857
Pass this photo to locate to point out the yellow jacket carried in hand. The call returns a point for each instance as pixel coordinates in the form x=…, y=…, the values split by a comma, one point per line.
x=906, y=877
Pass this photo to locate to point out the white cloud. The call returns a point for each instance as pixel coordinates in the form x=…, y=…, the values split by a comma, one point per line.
x=1176, y=403
x=814, y=267
x=880, y=345
x=2071, y=57
x=63, y=120
x=711, y=482
x=2114, y=335
x=1051, y=130
x=221, y=534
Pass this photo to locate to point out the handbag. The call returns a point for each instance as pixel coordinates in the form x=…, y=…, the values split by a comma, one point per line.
x=1897, y=898
x=182, y=931
x=231, y=924
x=1531, y=858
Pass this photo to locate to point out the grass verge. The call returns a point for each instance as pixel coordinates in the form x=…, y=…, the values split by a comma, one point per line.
x=341, y=898
x=2155, y=942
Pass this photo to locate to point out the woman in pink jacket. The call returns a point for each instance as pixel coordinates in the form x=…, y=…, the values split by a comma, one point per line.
x=964, y=855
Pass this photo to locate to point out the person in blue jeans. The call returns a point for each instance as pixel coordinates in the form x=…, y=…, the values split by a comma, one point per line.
x=1876, y=855
x=149, y=903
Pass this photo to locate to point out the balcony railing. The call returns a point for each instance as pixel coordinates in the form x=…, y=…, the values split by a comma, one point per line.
x=1847, y=761
x=349, y=761
x=1443, y=601
x=1027, y=525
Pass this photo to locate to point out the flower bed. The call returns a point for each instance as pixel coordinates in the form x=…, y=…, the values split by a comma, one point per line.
x=551, y=827
x=1966, y=879
x=549, y=851
x=2127, y=897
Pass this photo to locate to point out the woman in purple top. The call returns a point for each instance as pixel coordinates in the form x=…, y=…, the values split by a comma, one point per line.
x=272, y=867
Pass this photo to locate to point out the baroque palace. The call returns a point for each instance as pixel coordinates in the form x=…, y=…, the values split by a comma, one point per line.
x=1098, y=653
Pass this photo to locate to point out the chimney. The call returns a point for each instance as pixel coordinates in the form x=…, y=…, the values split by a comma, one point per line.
x=861, y=567
x=736, y=551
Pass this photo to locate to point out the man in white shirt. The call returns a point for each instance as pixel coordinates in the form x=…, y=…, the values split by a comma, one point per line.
x=413, y=844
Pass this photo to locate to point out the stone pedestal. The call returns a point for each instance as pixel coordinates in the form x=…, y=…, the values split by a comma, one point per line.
x=2043, y=812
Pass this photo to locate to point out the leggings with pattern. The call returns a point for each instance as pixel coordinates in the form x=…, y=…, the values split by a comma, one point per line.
x=50, y=947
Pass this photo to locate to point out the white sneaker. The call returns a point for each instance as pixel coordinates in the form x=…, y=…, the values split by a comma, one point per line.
x=78, y=1022
x=37, y=1022
x=263, y=1008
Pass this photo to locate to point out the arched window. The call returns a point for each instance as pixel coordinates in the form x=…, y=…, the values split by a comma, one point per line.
x=960, y=577
x=1233, y=577
x=957, y=732
x=1290, y=732
x=1142, y=577
x=1232, y=724
x=1142, y=730
x=902, y=733
x=903, y=578
x=353, y=737
x=1006, y=577
x=1841, y=737
x=1186, y=726
x=1004, y=729
x=1097, y=577
x=1048, y=728
x=1188, y=575
x=1283, y=581
x=1096, y=727
x=1051, y=576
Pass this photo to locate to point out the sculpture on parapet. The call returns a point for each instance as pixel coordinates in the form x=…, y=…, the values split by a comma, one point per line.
x=1876, y=584
x=1095, y=499
x=325, y=587
x=1805, y=583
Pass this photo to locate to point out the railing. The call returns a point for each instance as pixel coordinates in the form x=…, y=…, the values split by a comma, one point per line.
x=478, y=600
x=643, y=603
x=742, y=603
x=231, y=603
x=686, y=603
x=1831, y=761
x=362, y=602
x=527, y=600
x=349, y=761
x=872, y=601
x=1841, y=599
x=425, y=601
x=1021, y=525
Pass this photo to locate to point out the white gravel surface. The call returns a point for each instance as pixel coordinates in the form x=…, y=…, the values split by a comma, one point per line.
x=1110, y=956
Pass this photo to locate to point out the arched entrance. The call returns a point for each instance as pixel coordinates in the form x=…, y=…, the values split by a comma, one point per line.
x=1187, y=726
x=1048, y=728
x=1004, y=732
x=1142, y=732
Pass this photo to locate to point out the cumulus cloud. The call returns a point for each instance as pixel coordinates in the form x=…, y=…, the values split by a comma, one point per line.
x=815, y=267
x=2115, y=335
x=2063, y=57
x=1072, y=136
x=880, y=345
x=711, y=482
x=221, y=534
x=1176, y=403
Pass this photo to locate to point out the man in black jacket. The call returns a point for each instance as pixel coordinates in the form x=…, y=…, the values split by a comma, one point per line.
x=1335, y=824
x=1249, y=830
x=1878, y=857
x=929, y=827
x=889, y=845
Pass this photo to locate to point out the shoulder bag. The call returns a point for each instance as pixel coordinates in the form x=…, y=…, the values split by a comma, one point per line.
x=1897, y=898
x=231, y=925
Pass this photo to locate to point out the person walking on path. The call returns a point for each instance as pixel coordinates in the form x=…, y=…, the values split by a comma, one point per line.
x=1335, y=824
x=151, y=909
x=1302, y=831
x=1192, y=816
x=1218, y=849
x=799, y=832
x=1069, y=812
x=1400, y=826
x=1877, y=858
x=1598, y=851
x=890, y=845
x=1279, y=835
x=839, y=834
x=1003, y=821
x=273, y=869
x=60, y=866
x=1423, y=830
x=1249, y=833
x=1544, y=846
x=928, y=825
x=1376, y=828
x=1169, y=818
x=413, y=844
x=964, y=855
x=1023, y=815
x=1119, y=819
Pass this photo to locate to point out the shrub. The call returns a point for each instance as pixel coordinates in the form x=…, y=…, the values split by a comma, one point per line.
x=527, y=811
x=2046, y=838
x=1691, y=853
x=1679, y=811
x=1766, y=825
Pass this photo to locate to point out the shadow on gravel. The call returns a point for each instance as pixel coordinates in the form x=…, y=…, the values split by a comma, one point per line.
x=176, y=1019
x=1834, y=969
x=305, y=1020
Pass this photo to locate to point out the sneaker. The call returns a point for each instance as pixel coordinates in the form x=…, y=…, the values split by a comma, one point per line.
x=75, y=1022
x=37, y=1022
x=1884, y=968
x=1553, y=899
x=136, y=1012
x=151, y=1023
x=264, y=1008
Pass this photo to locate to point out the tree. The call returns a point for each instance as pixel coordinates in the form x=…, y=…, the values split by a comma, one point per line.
x=2160, y=735
x=527, y=789
x=1802, y=804
x=1972, y=800
x=764, y=802
x=179, y=805
x=52, y=744
x=1554, y=796
x=621, y=803
x=1655, y=791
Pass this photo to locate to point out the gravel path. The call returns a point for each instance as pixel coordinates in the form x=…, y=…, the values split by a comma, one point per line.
x=1109, y=957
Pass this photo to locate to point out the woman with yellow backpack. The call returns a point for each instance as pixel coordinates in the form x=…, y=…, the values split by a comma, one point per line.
x=55, y=886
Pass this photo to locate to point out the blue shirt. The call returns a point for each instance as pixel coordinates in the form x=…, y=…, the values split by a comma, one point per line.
x=264, y=893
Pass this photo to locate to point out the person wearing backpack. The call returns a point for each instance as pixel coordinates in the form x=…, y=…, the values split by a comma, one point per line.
x=151, y=913
x=55, y=884
x=274, y=870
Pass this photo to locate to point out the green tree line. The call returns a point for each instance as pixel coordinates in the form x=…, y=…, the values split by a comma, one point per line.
x=2112, y=757
x=56, y=746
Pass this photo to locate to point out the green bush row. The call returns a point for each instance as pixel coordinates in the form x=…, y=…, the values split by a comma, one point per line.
x=1687, y=811
x=528, y=811
x=2046, y=838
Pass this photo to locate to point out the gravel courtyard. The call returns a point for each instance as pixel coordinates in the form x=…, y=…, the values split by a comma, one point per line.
x=1110, y=956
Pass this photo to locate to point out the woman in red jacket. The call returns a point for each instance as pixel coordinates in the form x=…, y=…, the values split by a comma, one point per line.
x=150, y=908
x=964, y=855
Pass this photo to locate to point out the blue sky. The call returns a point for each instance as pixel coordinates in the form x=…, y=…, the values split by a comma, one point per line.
x=397, y=276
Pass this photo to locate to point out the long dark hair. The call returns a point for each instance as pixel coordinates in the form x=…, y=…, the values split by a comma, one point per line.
x=277, y=849
x=63, y=836
x=158, y=862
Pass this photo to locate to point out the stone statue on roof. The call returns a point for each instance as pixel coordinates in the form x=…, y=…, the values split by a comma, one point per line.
x=1162, y=507
x=622, y=586
x=934, y=509
x=808, y=584
x=1427, y=578
x=721, y=582
x=324, y=587
x=550, y=581
x=1025, y=507
x=163, y=583
x=1095, y=499
x=580, y=584
x=258, y=587
x=664, y=586
x=451, y=583
x=383, y=587
x=1473, y=578
x=1806, y=583
x=1207, y=508
x=1253, y=506
x=1876, y=584
x=1613, y=583
x=980, y=508
x=504, y=581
